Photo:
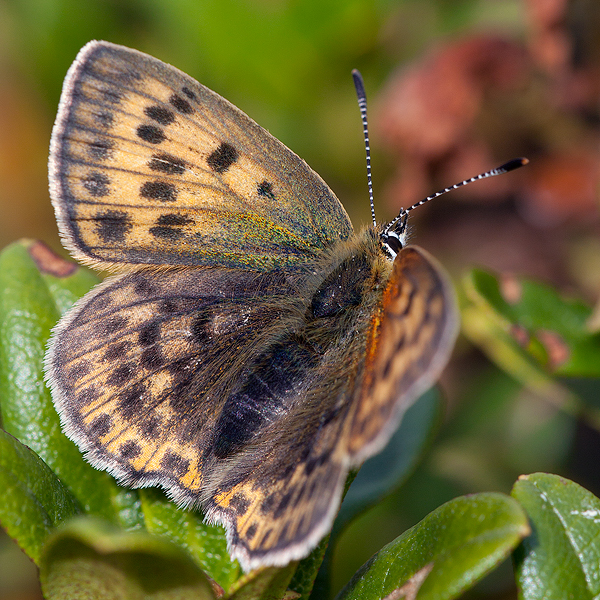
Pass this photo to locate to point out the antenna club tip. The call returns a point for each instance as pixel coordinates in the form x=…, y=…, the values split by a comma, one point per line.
x=513, y=164
x=359, y=84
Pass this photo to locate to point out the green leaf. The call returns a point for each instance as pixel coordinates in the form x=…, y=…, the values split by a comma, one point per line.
x=268, y=583
x=560, y=559
x=35, y=286
x=535, y=336
x=306, y=573
x=34, y=500
x=205, y=543
x=446, y=553
x=544, y=329
x=88, y=558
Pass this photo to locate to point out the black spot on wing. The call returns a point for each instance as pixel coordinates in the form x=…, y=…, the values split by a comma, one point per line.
x=101, y=425
x=174, y=463
x=267, y=505
x=112, y=225
x=131, y=401
x=166, y=163
x=159, y=190
x=191, y=95
x=121, y=375
x=151, y=426
x=117, y=350
x=240, y=504
x=87, y=396
x=130, y=449
x=79, y=370
x=166, y=233
x=251, y=532
x=97, y=184
x=149, y=334
x=160, y=114
x=169, y=226
x=171, y=219
x=151, y=134
x=265, y=189
x=222, y=158
x=152, y=359
x=181, y=104
x=101, y=149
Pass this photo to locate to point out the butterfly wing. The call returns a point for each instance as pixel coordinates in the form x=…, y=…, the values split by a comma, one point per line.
x=140, y=368
x=226, y=389
x=278, y=497
x=225, y=374
x=200, y=380
x=147, y=166
x=410, y=341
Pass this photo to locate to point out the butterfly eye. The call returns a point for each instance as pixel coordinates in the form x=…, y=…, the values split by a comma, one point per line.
x=391, y=243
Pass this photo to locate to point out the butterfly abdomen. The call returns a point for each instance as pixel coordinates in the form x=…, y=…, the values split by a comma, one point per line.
x=261, y=400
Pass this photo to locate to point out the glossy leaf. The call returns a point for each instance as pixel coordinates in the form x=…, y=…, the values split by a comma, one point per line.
x=267, y=583
x=205, y=543
x=34, y=500
x=307, y=572
x=546, y=330
x=446, y=553
x=562, y=556
x=35, y=286
x=90, y=559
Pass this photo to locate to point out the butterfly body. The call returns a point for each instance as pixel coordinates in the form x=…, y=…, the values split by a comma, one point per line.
x=255, y=349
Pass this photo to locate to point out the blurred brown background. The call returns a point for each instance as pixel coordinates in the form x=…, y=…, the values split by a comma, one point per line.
x=455, y=88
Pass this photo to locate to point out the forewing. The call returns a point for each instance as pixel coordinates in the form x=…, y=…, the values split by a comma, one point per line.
x=147, y=166
x=141, y=366
x=409, y=344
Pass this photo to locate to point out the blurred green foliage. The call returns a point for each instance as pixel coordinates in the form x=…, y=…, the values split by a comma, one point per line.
x=286, y=64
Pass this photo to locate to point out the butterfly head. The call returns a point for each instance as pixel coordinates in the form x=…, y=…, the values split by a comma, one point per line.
x=393, y=236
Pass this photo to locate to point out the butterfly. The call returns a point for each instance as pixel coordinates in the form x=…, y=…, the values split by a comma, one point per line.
x=252, y=348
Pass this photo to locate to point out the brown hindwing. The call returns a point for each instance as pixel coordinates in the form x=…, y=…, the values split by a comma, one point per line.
x=410, y=340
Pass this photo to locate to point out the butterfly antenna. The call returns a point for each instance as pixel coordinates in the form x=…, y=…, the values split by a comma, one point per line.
x=511, y=165
x=393, y=234
x=362, y=104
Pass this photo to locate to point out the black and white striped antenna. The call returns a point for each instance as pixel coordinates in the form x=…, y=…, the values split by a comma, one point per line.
x=362, y=104
x=393, y=234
